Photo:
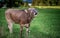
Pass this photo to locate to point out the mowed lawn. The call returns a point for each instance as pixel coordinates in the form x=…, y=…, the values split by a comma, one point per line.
x=45, y=25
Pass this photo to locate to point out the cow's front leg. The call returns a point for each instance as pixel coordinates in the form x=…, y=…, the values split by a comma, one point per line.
x=27, y=30
x=21, y=30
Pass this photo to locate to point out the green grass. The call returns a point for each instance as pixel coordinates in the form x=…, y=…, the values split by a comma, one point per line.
x=45, y=25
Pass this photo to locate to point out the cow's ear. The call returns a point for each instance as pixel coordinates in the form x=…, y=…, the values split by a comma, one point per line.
x=26, y=11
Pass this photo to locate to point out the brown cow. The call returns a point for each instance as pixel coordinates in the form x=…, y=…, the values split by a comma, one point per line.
x=22, y=17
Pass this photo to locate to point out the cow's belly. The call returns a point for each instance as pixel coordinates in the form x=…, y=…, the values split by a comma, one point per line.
x=16, y=20
x=24, y=21
x=20, y=20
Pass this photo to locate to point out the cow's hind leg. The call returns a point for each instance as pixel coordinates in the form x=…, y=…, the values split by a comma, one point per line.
x=9, y=21
x=10, y=27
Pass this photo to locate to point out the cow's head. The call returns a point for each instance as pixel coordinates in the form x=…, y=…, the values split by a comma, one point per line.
x=32, y=10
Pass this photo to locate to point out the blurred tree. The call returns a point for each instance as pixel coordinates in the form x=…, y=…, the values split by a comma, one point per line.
x=46, y=2
x=17, y=3
x=2, y=2
x=13, y=3
x=24, y=2
x=58, y=2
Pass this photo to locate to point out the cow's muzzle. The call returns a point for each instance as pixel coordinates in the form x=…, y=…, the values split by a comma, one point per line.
x=35, y=13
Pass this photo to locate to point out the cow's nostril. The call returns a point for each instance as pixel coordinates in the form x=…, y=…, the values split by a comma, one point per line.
x=35, y=13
